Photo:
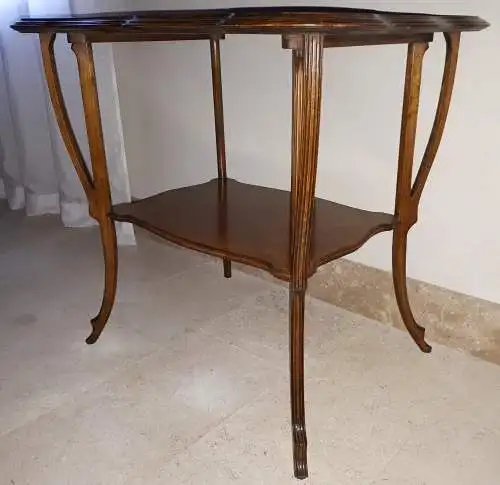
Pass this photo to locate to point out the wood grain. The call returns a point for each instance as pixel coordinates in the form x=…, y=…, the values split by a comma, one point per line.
x=408, y=195
x=96, y=37
x=258, y=224
x=220, y=141
x=257, y=20
x=307, y=71
x=101, y=201
x=405, y=211
x=61, y=113
x=447, y=83
x=294, y=41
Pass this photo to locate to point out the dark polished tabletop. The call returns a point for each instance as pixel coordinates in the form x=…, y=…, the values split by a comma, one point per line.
x=256, y=20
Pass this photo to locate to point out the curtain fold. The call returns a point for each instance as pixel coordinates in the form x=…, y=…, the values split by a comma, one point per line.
x=36, y=173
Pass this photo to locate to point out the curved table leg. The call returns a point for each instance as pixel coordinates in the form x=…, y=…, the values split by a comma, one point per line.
x=101, y=202
x=307, y=79
x=61, y=113
x=96, y=188
x=408, y=196
x=399, y=246
x=108, y=238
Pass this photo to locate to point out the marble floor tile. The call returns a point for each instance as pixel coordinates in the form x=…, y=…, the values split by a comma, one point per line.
x=461, y=447
x=260, y=325
x=44, y=360
x=189, y=382
x=128, y=427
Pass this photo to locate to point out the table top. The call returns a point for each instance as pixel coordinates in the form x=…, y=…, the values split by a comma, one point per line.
x=342, y=22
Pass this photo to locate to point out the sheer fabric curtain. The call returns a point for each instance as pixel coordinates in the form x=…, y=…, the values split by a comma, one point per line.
x=36, y=173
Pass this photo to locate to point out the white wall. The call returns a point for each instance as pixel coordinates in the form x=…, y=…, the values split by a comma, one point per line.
x=165, y=97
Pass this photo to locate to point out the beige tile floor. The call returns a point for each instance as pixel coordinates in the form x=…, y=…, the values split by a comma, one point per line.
x=188, y=384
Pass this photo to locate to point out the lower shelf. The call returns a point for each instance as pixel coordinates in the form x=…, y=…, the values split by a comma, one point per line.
x=250, y=224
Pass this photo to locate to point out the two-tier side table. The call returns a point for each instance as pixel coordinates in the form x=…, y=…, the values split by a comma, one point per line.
x=288, y=233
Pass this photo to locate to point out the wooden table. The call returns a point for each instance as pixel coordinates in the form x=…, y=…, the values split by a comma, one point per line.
x=289, y=234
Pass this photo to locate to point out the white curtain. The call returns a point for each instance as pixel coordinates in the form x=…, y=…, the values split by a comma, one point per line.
x=36, y=173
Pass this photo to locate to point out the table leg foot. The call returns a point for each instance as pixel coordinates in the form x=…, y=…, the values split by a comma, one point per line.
x=299, y=436
x=108, y=237
x=97, y=329
x=400, y=288
x=300, y=452
x=227, y=268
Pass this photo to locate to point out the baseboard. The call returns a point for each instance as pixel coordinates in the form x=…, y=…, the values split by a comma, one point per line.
x=450, y=318
x=453, y=319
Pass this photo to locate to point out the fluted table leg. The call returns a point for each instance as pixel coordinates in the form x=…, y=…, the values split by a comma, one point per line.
x=307, y=79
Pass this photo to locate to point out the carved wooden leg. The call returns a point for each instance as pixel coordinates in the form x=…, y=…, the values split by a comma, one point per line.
x=61, y=113
x=405, y=210
x=219, y=129
x=96, y=186
x=399, y=245
x=101, y=201
x=109, y=246
x=307, y=77
x=299, y=435
x=408, y=196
